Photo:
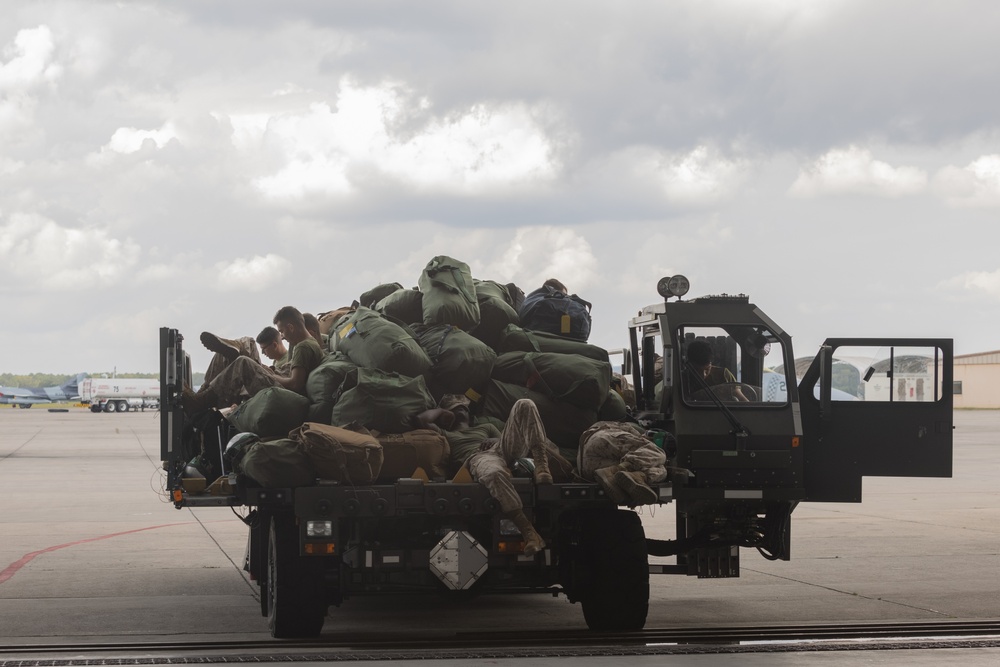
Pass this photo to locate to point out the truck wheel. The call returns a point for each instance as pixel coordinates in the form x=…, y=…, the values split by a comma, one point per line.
x=109, y=406
x=122, y=406
x=95, y=407
x=614, y=569
x=296, y=606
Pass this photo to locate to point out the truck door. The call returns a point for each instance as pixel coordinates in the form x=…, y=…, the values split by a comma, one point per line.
x=879, y=407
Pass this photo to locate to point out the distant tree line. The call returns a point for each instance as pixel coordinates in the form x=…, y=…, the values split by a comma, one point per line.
x=33, y=380
x=38, y=380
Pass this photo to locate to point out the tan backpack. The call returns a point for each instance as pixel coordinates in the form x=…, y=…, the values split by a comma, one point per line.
x=348, y=455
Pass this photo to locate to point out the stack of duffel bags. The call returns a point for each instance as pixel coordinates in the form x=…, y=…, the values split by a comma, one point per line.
x=398, y=351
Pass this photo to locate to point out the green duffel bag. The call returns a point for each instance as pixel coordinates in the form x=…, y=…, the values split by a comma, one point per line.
x=377, y=293
x=270, y=413
x=323, y=385
x=495, y=311
x=613, y=409
x=381, y=401
x=564, y=423
x=573, y=378
x=515, y=339
x=459, y=362
x=406, y=305
x=449, y=295
x=372, y=340
x=279, y=463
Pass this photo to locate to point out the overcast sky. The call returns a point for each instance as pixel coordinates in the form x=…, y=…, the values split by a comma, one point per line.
x=200, y=164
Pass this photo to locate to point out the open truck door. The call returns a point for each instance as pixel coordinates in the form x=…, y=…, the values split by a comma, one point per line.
x=878, y=407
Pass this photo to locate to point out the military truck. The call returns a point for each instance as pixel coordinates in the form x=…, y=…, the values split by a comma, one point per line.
x=742, y=455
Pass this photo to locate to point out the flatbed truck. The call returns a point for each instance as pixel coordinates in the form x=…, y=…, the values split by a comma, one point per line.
x=741, y=455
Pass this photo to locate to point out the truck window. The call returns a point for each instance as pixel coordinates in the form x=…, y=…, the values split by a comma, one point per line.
x=893, y=374
x=737, y=365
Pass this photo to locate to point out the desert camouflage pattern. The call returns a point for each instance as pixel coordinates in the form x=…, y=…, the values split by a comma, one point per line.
x=247, y=347
x=241, y=379
x=522, y=436
x=616, y=443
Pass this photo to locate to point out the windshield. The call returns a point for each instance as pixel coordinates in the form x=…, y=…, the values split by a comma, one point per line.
x=737, y=365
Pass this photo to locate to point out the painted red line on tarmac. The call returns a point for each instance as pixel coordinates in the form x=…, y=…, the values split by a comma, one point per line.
x=12, y=569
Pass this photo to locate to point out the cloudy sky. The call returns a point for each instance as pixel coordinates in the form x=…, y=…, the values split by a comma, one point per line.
x=200, y=164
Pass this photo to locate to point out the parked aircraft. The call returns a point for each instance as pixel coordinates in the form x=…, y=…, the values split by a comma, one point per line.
x=25, y=397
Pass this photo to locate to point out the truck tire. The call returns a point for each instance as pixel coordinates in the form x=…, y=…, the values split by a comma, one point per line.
x=296, y=606
x=95, y=407
x=121, y=406
x=614, y=571
x=109, y=406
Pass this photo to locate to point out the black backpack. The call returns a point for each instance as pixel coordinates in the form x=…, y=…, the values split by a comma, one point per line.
x=549, y=310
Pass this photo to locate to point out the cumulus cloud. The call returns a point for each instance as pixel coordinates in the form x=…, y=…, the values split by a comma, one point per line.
x=26, y=64
x=538, y=253
x=28, y=61
x=485, y=147
x=129, y=139
x=975, y=185
x=36, y=251
x=985, y=283
x=700, y=176
x=252, y=274
x=854, y=170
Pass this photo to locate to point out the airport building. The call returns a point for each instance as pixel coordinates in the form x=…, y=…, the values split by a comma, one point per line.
x=977, y=380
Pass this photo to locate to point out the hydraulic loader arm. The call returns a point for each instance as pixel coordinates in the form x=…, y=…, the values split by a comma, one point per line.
x=175, y=374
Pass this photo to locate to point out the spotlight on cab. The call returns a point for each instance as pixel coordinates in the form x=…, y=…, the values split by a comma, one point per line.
x=673, y=286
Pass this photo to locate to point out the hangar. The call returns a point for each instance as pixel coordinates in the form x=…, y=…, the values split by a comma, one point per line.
x=977, y=380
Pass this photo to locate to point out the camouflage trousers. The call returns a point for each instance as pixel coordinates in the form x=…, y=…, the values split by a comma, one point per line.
x=247, y=347
x=241, y=379
x=522, y=436
x=616, y=443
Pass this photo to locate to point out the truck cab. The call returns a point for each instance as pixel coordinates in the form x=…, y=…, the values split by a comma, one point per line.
x=757, y=431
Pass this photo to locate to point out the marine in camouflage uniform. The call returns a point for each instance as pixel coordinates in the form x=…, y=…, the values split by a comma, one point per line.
x=241, y=379
x=245, y=377
x=523, y=435
x=618, y=457
x=246, y=347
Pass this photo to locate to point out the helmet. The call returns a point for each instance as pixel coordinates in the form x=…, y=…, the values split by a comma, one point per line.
x=237, y=447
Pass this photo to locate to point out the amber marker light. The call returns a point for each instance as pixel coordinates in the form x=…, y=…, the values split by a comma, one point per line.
x=320, y=548
x=795, y=442
x=506, y=547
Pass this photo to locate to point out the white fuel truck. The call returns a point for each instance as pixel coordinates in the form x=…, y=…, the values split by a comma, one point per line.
x=120, y=394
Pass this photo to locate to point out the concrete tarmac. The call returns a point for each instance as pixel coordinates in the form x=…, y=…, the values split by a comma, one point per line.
x=92, y=551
